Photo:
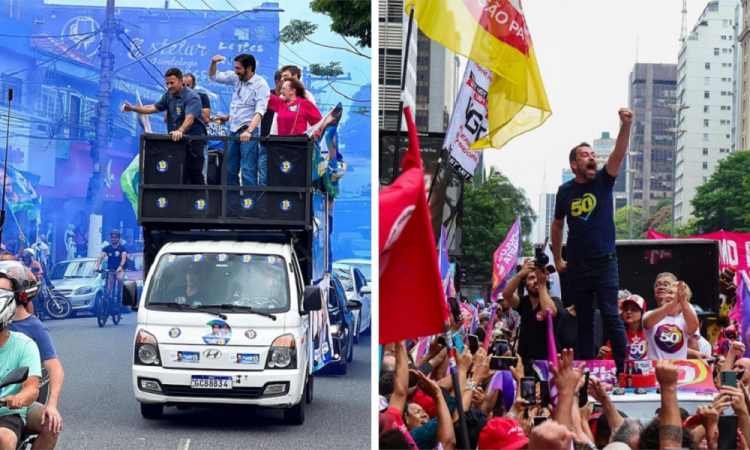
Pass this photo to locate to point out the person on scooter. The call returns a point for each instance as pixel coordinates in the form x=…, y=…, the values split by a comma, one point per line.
x=117, y=258
x=26, y=257
x=16, y=351
x=42, y=420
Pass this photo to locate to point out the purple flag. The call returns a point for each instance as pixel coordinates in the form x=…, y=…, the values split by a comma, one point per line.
x=743, y=301
x=504, y=261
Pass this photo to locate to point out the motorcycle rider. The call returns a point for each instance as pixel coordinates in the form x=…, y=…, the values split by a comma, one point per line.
x=117, y=257
x=43, y=420
x=18, y=350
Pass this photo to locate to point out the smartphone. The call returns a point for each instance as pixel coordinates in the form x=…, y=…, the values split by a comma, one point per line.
x=544, y=393
x=538, y=420
x=728, y=431
x=528, y=389
x=473, y=343
x=441, y=340
x=583, y=394
x=729, y=378
x=502, y=362
x=501, y=347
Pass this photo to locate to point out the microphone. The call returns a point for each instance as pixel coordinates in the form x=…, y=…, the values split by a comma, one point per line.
x=10, y=95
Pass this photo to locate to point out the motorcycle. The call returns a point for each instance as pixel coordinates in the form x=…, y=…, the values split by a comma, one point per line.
x=18, y=376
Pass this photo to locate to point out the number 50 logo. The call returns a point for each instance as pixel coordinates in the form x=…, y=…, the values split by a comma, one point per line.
x=583, y=206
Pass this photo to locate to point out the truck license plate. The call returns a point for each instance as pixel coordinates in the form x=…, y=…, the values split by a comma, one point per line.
x=210, y=382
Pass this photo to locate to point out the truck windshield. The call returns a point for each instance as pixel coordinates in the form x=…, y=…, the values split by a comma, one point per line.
x=210, y=280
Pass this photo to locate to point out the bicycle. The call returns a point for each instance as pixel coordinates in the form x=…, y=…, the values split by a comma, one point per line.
x=51, y=303
x=109, y=305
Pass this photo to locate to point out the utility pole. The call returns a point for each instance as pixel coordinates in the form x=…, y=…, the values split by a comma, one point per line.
x=95, y=194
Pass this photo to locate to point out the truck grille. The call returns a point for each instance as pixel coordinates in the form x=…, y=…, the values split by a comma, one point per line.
x=237, y=392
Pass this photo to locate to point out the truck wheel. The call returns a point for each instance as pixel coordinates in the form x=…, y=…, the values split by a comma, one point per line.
x=350, y=358
x=296, y=414
x=310, y=388
x=339, y=368
x=152, y=410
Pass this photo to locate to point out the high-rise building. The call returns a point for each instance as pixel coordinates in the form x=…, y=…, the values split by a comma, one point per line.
x=567, y=175
x=546, y=215
x=437, y=72
x=705, y=73
x=393, y=24
x=603, y=148
x=742, y=98
x=653, y=89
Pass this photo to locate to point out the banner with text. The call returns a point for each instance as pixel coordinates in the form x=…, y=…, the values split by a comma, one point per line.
x=734, y=247
x=504, y=261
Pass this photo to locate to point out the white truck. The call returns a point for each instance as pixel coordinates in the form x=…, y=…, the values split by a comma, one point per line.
x=232, y=309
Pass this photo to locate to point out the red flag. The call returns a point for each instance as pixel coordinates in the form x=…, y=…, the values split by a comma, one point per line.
x=411, y=291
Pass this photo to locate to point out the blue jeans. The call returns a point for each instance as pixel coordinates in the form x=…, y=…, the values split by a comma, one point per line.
x=602, y=281
x=243, y=155
x=262, y=164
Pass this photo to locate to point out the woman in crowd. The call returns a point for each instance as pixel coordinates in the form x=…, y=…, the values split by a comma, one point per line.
x=295, y=112
x=632, y=310
x=668, y=327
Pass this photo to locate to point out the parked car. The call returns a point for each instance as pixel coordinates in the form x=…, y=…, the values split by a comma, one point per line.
x=341, y=317
x=364, y=265
x=76, y=280
x=134, y=271
x=355, y=285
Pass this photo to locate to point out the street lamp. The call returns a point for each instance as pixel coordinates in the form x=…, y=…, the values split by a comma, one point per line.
x=677, y=131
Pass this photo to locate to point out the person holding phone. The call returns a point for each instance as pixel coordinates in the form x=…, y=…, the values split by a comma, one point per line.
x=532, y=341
x=668, y=327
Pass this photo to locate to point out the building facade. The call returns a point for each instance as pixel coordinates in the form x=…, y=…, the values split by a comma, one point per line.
x=651, y=147
x=437, y=73
x=393, y=25
x=705, y=84
x=743, y=107
x=546, y=215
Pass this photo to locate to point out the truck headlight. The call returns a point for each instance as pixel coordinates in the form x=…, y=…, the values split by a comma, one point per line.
x=84, y=290
x=146, y=349
x=334, y=329
x=283, y=353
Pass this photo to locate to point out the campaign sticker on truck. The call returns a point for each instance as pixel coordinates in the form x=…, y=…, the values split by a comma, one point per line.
x=246, y=358
x=171, y=258
x=271, y=259
x=201, y=204
x=247, y=203
x=247, y=258
x=197, y=258
x=161, y=202
x=175, y=332
x=222, y=257
x=219, y=333
x=286, y=166
x=250, y=334
x=180, y=300
x=162, y=166
x=186, y=357
x=285, y=205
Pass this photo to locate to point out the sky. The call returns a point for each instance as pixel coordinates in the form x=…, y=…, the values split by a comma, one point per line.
x=586, y=50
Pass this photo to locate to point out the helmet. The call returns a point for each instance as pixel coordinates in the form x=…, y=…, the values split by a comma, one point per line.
x=116, y=232
x=29, y=252
x=7, y=309
x=24, y=284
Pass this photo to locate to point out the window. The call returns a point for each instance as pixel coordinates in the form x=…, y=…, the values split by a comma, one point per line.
x=723, y=50
x=705, y=179
x=725, y=122
x=9, y=83
x=705, y=108
x=705, y=152
x=705, y=166
x=705, y=122
x=708, y=66
x=50, y=102
x=15, y=9
x=727, y=136
x=706, y=94
x=705, y=136
x=716, y=52
x=707, y=80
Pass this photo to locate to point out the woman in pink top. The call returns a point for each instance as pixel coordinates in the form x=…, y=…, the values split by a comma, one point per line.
x=295, y=112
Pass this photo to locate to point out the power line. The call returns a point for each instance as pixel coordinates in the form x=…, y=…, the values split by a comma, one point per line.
x=140, y=61
x=52, y=59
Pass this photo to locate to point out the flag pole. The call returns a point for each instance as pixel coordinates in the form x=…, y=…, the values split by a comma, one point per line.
x=397, y=150
x=434, y=177
x=5, y=168
x=463, y=435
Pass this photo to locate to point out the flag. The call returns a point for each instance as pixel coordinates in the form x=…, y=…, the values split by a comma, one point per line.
x=411, y=291
x=321, y=343
x=743, y=302
x=469, y=120
x=19, y=192
x=505, y=258
x=130, y=176
x=542, y=370
x=328, y=162
x=445, y=267
x=493, y=315
x=494, y=34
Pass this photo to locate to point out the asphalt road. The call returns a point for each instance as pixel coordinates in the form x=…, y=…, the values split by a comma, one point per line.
x=100, y=412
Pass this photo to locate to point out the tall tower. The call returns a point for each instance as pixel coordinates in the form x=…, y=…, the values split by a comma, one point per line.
x=683, y=32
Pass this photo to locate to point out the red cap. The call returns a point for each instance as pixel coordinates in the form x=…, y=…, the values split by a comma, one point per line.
x=638, y=300
x=593, y=421
x=426, y=402
x=501, y=432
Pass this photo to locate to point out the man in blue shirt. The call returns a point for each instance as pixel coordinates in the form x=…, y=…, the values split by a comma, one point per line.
x=587, y=203
x=250, y=96
x=184, y=118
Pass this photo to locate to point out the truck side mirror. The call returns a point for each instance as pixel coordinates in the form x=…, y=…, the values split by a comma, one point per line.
x=366, y=290
x=129, y=294
x=313, y=299
x=353, y=305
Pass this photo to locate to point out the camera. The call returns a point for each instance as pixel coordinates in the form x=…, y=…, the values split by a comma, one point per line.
x=541, y=260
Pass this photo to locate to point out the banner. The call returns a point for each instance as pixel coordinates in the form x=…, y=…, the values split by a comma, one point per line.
x=743, y=304
x=494, y=34
x=504, y=261
x=328, y=163
x=469, y=120
x=322, y=343
x=734, y=248
x=694, y=374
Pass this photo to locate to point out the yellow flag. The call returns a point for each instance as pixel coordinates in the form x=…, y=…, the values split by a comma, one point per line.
x=494, y=34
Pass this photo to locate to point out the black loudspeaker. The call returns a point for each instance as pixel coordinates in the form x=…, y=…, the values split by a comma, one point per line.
x=287, y=206
x=287, y=165
x=694, y=261
x=164, y=162
x=181, y=204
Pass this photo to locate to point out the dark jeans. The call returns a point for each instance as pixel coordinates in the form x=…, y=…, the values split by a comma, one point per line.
x=602, y=281
x=195, y=162
x=244, y=157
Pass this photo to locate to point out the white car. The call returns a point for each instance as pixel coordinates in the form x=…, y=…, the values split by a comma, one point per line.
x=355, y=284
x=76, y=280
x=364, y=265
x=644, y=406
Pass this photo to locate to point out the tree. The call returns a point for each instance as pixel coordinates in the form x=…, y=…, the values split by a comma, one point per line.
x=622, y=222
x=491, y=206
x=722, y=202
x=350, y=19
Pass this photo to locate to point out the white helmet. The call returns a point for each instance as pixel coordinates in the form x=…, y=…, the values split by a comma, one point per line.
x=24, y=284
x=7, y=308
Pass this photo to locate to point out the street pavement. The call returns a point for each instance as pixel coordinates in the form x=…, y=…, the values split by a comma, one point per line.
x=100, y=412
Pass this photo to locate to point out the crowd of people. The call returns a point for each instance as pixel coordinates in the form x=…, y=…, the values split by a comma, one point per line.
x=255, y=111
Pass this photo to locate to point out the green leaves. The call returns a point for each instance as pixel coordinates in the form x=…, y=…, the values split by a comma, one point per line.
x=331, y=70
x=296, y=31
x=722, y=203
